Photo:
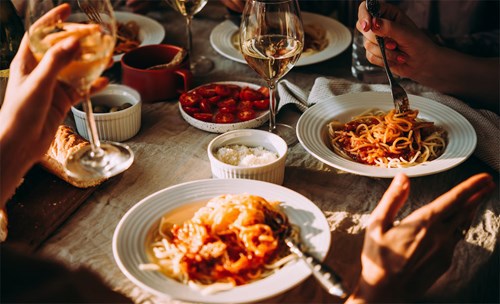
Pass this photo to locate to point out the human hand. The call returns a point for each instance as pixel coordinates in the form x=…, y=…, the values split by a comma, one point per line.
x=401, y=261
x=36, y=102
x=234, y=5
x=408, y=49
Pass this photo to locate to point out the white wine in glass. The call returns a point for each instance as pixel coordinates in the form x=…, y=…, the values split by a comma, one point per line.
x=271, y=40
x=188, y=8
x=92, y=23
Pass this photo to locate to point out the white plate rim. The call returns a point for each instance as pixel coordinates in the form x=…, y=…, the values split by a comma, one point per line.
x=223, y=128
x=311, y=132
x=339, y=37
x=150, y=30
x=300, y=209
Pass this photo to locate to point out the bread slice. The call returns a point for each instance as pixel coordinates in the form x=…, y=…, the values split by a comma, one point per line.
x=65, y=143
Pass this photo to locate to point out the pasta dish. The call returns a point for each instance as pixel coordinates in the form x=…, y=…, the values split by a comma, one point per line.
x=127, y=37
x=232, y=240
x=387, y=139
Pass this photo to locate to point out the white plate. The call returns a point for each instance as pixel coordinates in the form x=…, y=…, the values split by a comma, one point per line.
x=313, y=135
x=130, y=238
x=150, y=32
x=223, y=128
x=339, y=39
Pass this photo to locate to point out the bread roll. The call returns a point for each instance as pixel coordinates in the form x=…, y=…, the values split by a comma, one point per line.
x=65, y=142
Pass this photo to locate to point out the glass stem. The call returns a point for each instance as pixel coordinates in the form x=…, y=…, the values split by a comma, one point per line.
x=189, y=45
x=95, y=143
x=273, y=105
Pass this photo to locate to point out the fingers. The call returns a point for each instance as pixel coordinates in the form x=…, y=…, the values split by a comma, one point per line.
x=393, y=199
x=56, y=58
x=56, y=14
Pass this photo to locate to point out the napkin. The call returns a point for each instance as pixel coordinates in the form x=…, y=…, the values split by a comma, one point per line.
x=485, y=123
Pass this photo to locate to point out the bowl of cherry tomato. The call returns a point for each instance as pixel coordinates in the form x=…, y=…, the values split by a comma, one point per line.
x=220, y=107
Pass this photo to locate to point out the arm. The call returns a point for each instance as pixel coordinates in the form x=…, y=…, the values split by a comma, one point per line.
x=412, y=54
x=400, y=262
x=35, y=104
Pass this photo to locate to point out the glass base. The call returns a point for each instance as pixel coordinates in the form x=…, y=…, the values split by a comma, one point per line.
x=287, y=133
x=113, y=159
x=201, y=66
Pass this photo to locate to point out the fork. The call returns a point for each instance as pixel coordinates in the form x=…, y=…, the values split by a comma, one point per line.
x=399, y=95
x=89, y=10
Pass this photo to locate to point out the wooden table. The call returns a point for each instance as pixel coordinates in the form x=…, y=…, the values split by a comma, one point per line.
x=169, y=151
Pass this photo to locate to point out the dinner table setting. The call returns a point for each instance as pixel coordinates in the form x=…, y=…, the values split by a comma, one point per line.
x=103, y=228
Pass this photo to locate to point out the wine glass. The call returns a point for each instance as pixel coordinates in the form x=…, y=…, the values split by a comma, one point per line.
x=271, y=40
x=93, y=23
x=188, y=8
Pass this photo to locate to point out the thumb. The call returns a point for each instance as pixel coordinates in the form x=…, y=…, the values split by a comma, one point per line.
x=56, y=59
x=393, y=199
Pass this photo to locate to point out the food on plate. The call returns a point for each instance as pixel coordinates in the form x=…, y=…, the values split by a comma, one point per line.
x=315, y=39
x=65, y=143
x=225, y=103
x=387, y=139
x=243, y=156
x=233, y=240
x=127, y=37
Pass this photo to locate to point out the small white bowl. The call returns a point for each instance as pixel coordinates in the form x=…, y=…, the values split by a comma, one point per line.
x=115, y=126
x=273, y=172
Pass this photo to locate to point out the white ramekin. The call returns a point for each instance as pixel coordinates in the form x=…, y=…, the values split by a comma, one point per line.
x=115, y=126
x=273, y=172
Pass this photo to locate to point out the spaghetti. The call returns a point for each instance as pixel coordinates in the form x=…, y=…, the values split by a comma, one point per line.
x=387, y=139
x=233, y=240
x=127, y=37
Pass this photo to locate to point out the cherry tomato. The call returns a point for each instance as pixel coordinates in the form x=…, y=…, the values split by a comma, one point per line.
x=245, y=105
x=246, y=115
x=250, y=94
x=189, y=99
x=228, y=109
x=205, y=106
x=224, y=118
x=206, y=91
x=222, y=90
x=262, y=104
x=214, y=99
x=264, y=91
x=226, y=103
x=203, y=116
x=191, y=110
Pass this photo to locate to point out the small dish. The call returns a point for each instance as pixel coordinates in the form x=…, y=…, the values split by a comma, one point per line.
x=273, y=172
x=113, y=126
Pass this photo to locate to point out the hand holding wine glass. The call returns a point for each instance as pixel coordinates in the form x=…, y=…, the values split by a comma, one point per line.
x=49, y=24
x=271, y=40
x=189, y=8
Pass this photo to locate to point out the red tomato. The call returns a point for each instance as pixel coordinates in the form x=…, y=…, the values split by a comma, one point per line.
x=262, y=104
x=264, y=91
x=206, y=91
x=205, y=106
x=191, y=110
x=224, y=118
x=226, y=103
x=222, y=90
x=203, y=116
x=189, y=99
x=245, y=105
x=228, y=109
x=214, y=99
x=246, y=115
x=250, y=94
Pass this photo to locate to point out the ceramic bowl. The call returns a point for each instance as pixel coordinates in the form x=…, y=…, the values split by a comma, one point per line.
x=273, y=172
x=117, y=126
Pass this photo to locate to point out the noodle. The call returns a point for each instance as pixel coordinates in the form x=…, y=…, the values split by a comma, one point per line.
x=233, y=240
x=387, y=139
x=127, y=37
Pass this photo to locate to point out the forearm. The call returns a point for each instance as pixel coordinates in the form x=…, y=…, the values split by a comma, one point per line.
x=471, y=79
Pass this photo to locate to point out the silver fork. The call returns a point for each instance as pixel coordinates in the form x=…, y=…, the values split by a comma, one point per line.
x=89, y=10
x=399, y=95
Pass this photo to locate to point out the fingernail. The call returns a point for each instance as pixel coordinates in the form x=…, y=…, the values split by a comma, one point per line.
x=390, y=45
x=401, y=59
x=364, y=25
x=377, y=23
